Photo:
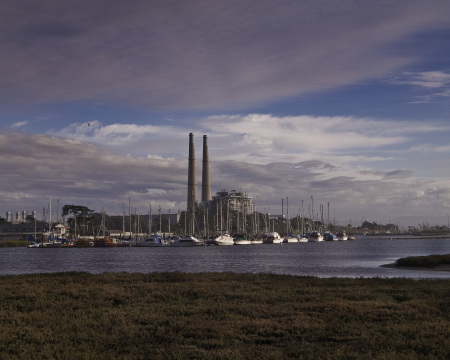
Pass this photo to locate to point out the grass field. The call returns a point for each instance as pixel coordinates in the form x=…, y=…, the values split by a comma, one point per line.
x=221, y=316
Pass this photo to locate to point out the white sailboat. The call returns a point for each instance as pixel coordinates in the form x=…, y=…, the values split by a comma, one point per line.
x=188, y=240
x=342, y=236
x=289, y=239
x=315, y=236
x=223, y=238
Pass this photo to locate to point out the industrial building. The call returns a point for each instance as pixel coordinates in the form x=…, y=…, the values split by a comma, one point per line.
x=233, y=200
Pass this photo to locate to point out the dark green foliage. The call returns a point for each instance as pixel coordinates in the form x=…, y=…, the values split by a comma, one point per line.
x=221, y=316
x=424, y=261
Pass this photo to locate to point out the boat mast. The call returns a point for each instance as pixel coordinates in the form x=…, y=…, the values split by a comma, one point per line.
x=50, y=216
x=123, y=220
x=150, y=218
x=129, y=212
x=169, y=222
x=221, y=218
x=160, y=219
x=287, y=216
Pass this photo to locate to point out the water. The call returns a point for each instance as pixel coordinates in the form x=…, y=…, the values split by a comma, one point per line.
x=360, y=258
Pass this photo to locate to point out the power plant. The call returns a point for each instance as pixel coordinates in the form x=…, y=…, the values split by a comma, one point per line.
x=192, y=182
x=238, y=201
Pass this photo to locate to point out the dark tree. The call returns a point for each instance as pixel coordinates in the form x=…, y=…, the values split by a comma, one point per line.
x=81, y=219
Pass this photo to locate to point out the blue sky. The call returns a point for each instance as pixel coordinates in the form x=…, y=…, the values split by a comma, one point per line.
x=345, y=101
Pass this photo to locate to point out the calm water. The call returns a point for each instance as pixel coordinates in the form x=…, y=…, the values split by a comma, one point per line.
x=360, y=258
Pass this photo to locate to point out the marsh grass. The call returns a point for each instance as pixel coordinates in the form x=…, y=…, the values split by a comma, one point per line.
x=424, y=261
x=14, y=243
x=221, y=316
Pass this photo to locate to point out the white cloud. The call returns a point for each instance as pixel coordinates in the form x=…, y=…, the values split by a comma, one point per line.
x=19, y=124
x=264, y=139
x=342, y=140
x=428, y=81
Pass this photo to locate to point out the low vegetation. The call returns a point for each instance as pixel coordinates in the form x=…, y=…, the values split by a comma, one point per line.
x=424, y=261
x=221, y=316
x=13, y=243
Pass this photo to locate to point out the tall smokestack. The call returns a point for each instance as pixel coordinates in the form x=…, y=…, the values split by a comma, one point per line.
x=206, y=186
x=192, y=181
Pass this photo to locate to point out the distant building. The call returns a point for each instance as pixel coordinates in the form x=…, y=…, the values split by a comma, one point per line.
x=233, y=200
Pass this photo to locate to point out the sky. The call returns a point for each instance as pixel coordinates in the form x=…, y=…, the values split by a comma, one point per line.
x=346, y=102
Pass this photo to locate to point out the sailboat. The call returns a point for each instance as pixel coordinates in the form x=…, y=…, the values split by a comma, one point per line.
x=273, y=238
x=153, y=240
x=223, y=238
x=103, y=241
x=342, y=236
x=188, y=240
x=290, y=238
x=315, y=236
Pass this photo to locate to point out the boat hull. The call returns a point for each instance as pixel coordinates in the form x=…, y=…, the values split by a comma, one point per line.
x=242, y=242
x=315, y=237
x=223, y=240
x=187, y=242
x=273, y=238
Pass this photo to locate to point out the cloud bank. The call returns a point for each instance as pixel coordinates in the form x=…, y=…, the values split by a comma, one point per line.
x=200, y=54
x=359, y=172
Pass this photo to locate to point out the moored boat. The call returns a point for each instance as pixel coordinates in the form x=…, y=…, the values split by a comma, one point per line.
x=315, y=236
x=290, y=239
x=224, y=239
x=327, y=236
x=342, y=236
x=104, y=242
x=51, y=244
x=242, y=240
x=82, y=243
x=152, y=241
x=303, y=238
x=273, y=238
x=186, y=241
x=256, y=241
